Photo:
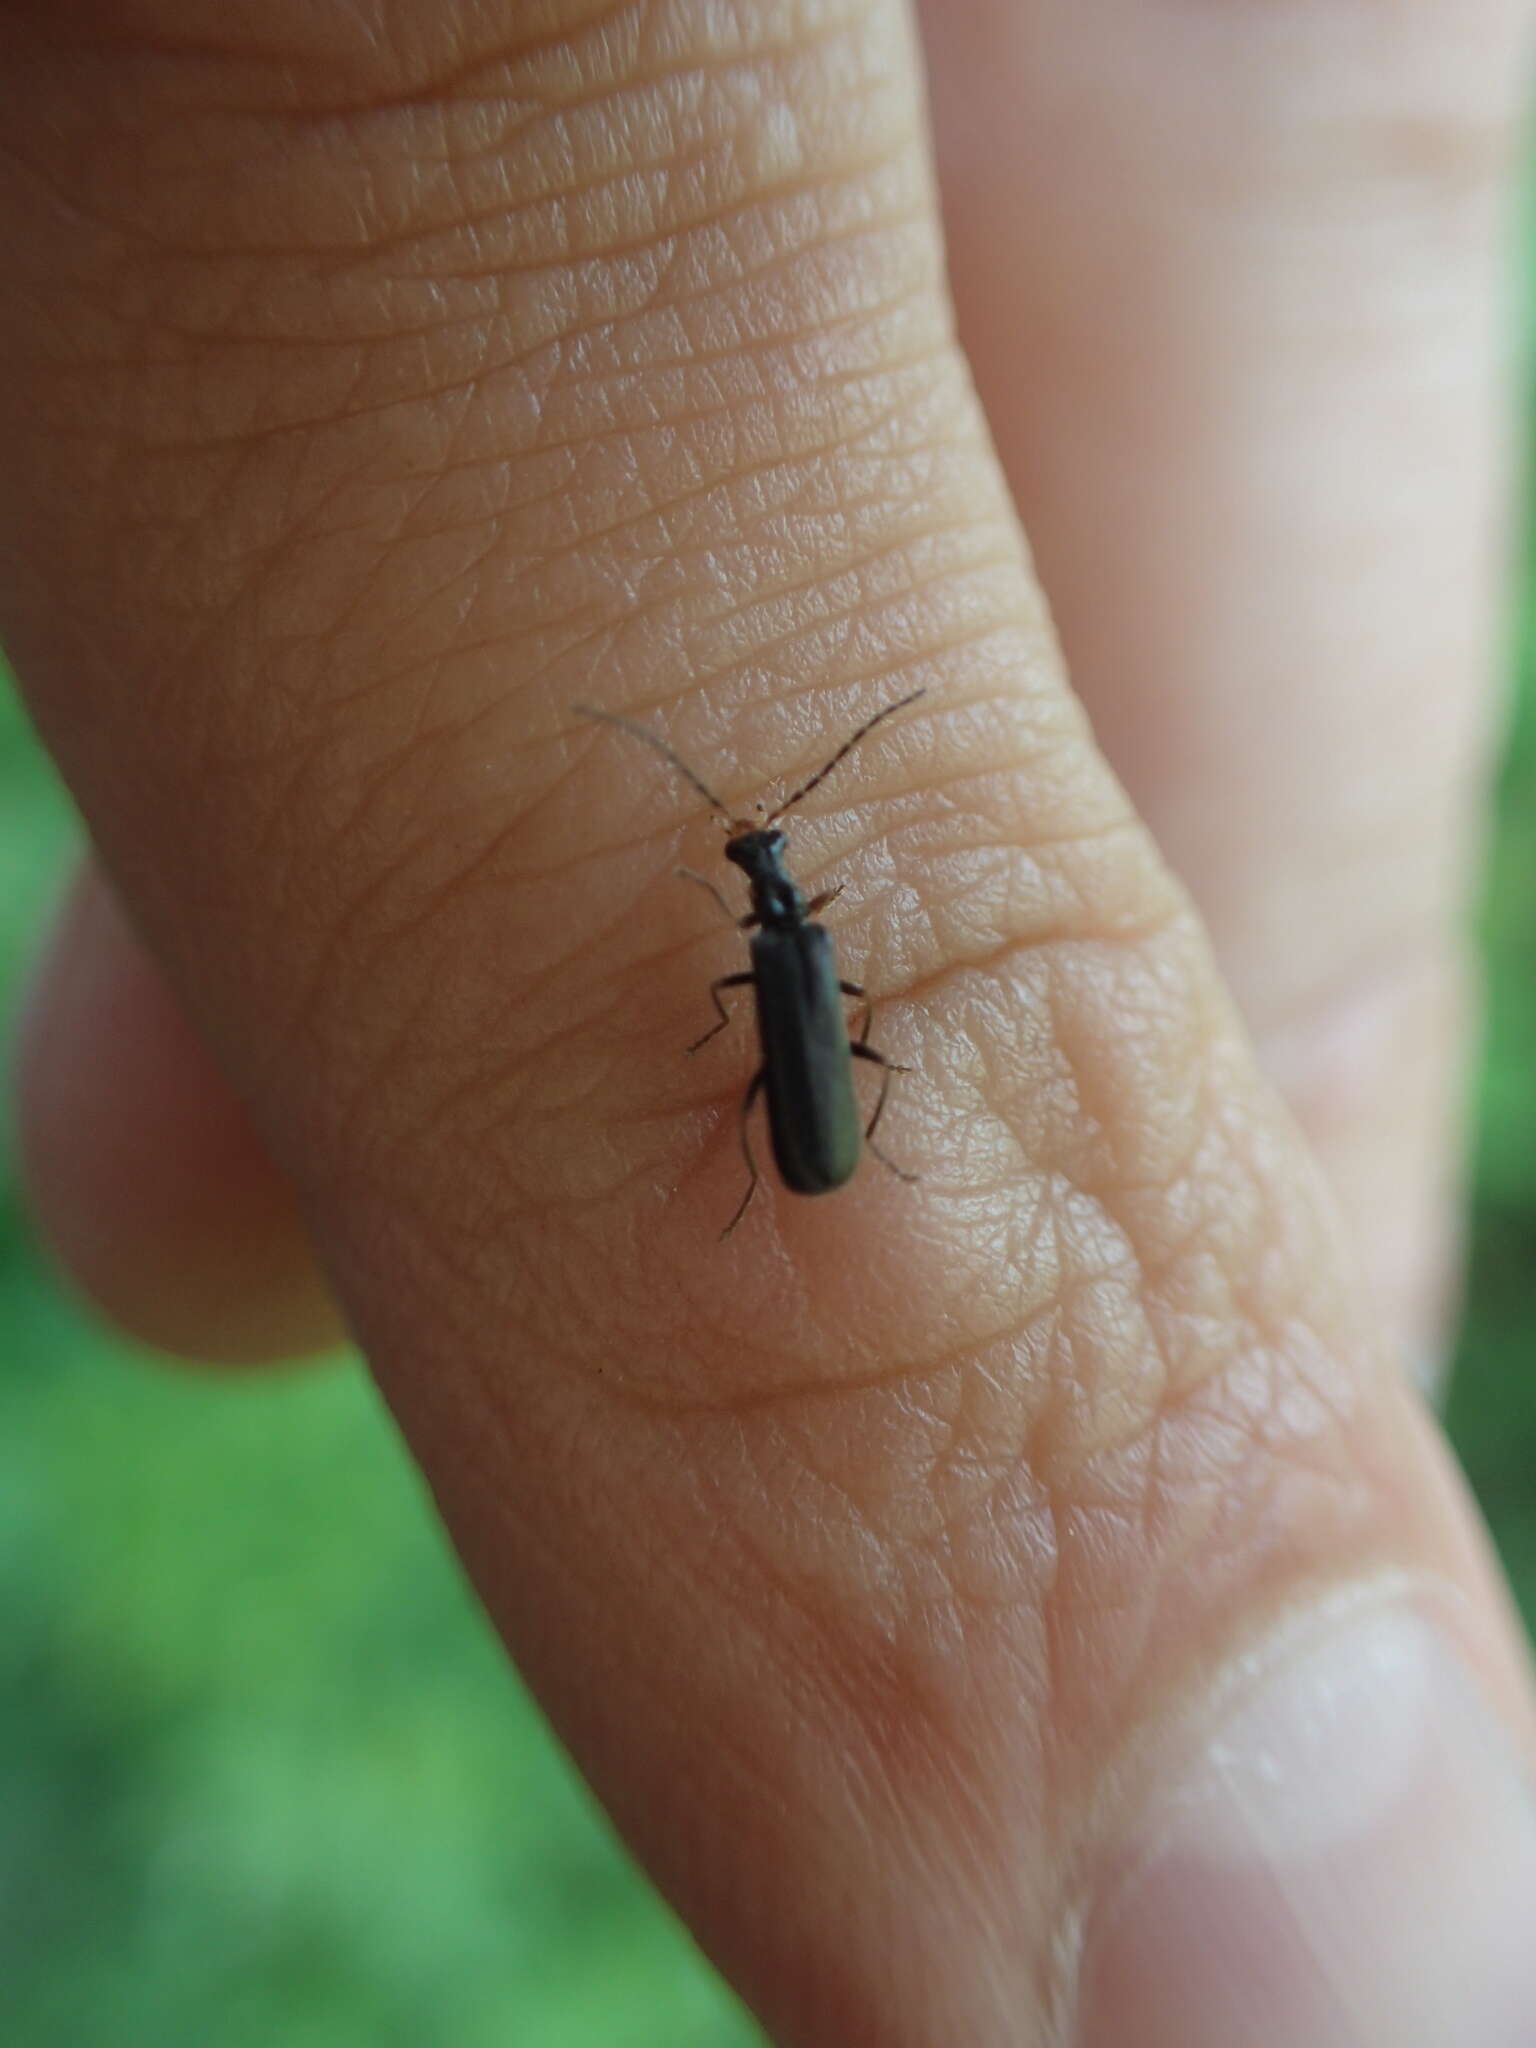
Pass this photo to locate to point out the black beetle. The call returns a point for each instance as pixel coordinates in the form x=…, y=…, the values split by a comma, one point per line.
x=807, y=1066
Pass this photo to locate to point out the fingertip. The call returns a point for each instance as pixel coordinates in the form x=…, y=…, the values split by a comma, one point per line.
x=146, y=1177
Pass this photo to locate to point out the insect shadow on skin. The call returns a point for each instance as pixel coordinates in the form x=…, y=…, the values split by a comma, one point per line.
x=814, y=1123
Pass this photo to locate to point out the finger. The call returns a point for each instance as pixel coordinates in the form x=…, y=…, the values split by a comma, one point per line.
x=1235, y=287
x=149, y=1182
x=1343, y=945
x=890, y=1567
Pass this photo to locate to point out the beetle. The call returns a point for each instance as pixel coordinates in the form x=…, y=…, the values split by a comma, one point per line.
x=814, y=1123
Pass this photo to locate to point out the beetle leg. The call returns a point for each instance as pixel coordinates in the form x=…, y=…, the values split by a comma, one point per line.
x=888, y=1162
x=725, y=981
x=754, y=1089
x=853, y=988
x=819, y=903
x=693, y=875
x=861, y=1051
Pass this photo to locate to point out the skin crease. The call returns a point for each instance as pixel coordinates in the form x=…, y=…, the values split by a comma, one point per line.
x=391, y=400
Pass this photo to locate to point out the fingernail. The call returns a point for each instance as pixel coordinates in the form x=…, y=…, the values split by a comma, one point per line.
x=1348, y=1862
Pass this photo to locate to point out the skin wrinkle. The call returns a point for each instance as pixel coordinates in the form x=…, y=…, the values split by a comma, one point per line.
x=580, y=139
x=488, y=371
x=854, y=565
x=882, y=1662
x=357, y=601
x=865, y=564
x=1013, y=1336
x=856, y=1802
x=492, y=261
x=624, y=436
x=575, y=34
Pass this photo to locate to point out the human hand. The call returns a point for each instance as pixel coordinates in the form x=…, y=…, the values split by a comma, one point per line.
x=993, y=1609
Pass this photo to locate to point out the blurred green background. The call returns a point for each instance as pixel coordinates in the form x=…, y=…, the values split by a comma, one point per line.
x=263, y=1777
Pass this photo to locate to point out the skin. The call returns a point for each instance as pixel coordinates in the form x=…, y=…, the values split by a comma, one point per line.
x=380, y=382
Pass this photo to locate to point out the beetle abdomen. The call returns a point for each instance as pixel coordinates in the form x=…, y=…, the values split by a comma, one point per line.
x=813, y=1113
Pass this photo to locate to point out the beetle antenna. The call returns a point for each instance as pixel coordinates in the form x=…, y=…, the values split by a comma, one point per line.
x=652, y=739
x=846, y=748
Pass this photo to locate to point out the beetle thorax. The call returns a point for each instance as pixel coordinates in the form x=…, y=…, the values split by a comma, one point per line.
x=759, y=853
